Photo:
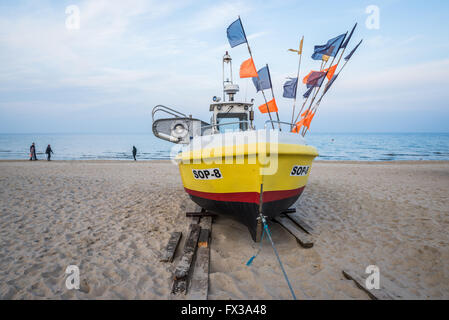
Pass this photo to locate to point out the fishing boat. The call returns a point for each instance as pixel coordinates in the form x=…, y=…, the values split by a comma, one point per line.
x=231, y=168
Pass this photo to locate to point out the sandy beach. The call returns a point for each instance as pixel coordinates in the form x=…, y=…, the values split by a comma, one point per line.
x=113, y=218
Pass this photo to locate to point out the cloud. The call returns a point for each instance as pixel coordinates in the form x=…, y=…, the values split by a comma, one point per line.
x=139, y=52
x=217, y=16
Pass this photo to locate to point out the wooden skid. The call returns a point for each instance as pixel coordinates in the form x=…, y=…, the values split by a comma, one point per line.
x=170, y=250
x=206, y=223
x=301, y=223
x=200, y=214
x=183, y=268
x=375, y=294
x=199, y=287
x=303, y=238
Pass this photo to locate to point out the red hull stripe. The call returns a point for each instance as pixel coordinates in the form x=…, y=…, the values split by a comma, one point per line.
x=249, y=197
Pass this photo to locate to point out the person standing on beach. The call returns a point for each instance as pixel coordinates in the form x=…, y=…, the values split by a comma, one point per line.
x=33, y=152
x=134, y=153
x=48, y=152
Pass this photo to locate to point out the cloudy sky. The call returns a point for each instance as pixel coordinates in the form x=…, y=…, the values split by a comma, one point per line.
x=128, y=56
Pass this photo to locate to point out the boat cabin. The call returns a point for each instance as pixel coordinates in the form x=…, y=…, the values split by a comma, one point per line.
x=231, y=116
x=227, y=115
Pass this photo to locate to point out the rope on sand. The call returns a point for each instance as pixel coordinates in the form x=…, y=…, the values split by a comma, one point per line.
x=250, y=261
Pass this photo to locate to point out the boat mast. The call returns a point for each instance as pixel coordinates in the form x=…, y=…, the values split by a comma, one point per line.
x=227, y=60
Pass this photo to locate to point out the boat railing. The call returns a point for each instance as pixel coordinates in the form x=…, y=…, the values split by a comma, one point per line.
x=291, y=125
x=170, y=111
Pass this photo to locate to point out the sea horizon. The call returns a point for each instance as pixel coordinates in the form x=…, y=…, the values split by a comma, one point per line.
x=376, y=146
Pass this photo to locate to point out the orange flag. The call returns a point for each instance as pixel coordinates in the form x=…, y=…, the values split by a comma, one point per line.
x=305, y=112
x=298, y=126
x=305, y=121
x=248, y=69
x=308, y=120
x=331, y=72
x=272, y=107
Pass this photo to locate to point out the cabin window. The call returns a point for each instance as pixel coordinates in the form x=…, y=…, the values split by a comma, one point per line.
x=233, y=118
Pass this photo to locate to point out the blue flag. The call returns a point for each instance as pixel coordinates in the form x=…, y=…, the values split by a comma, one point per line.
x=236, y=34
x=308, y=92
x=328, y=86
x=290, y=88
x=329, y=49
x=263, y=82
x=345, y=44
x=353, y=50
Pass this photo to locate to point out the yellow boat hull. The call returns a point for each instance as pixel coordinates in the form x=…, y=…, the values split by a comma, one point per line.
x=227, y=180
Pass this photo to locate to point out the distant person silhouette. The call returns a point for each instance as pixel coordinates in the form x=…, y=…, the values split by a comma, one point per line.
x=33, y=152
x=134, y=153
x=48, y=152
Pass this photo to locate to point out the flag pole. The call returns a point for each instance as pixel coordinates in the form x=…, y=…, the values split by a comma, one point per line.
x=272, y=95
x=321, y=68
x=303, y=105
x=325, y=90
x=345, y=44
x=319, y=88
x=297, y=79
x=319, y=100
x=251, y=55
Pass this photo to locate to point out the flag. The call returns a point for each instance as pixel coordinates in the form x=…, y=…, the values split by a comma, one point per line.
x=298, y=126
x=330, y=83
x=305, y=112
x=263, y=82
x=353, y=50
x=300, y=47
x=307, y=77
x=325, y=58
x=331, y=71
x=248, y=69
x=272, y=107
x=308, y=119
x=329, y=49
x=314, y=79
x=345, y=44
x=290, y=87
x=308, y=92
x=236, y=34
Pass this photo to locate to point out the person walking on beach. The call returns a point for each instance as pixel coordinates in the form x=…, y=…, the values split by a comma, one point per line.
x=48, y=152
x=134, y=153
x=33, y=152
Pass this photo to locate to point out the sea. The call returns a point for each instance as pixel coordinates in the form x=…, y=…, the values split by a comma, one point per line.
x=331, y=146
